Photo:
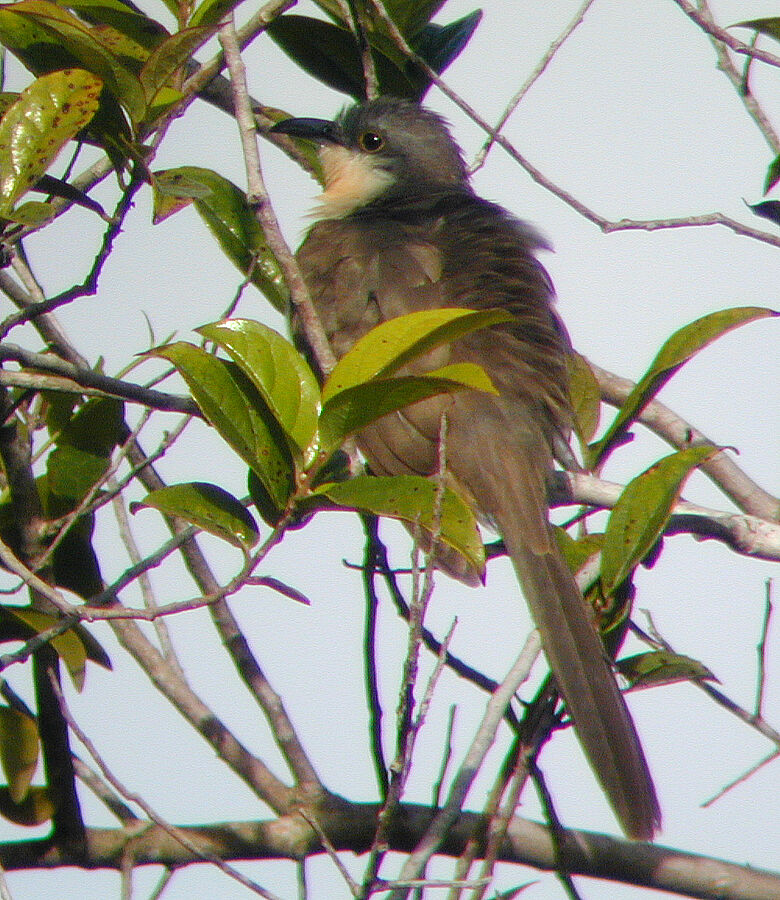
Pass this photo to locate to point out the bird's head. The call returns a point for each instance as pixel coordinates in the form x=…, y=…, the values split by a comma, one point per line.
x=380, y=150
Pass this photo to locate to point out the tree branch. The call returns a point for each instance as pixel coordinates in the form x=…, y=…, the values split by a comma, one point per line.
x=351, y=826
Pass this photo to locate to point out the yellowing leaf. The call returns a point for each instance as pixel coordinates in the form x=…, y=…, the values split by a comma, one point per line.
x=69, y=647
x=35, y=809
x=46, y=116
x=396, y=342
x=18, y=750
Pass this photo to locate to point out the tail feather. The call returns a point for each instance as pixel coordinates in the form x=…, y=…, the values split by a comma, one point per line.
x=513, y=493
x=584, y=678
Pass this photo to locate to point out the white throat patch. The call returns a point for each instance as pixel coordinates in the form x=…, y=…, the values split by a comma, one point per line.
x=351, y=180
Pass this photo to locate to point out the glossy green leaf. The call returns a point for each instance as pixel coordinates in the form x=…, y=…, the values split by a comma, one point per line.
x=35, y=128
x=68, y=646
x=269, y=511
x=36, y=808
x=18, y=751
x=662, y=667
x=37, y=48
x=585, y=397
x=412, y=499
x=76, y=38
x=207, y=506
x=677, y=350
x=352, y=409
x=279, y=373
x=392, y=344
x=642, y=511
x=224, y=208
x=232, y=404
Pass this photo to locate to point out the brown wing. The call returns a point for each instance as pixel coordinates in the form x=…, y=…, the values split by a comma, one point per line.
x=364, y=271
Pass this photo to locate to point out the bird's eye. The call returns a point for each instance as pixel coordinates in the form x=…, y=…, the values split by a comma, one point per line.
x=370, y=141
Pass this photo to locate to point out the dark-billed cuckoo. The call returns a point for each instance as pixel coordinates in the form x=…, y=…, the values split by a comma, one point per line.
x=399, y=229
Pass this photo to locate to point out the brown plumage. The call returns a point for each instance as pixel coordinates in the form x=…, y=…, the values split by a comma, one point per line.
x=401, y=230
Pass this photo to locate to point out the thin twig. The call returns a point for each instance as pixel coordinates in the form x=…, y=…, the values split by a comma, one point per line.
x=761, y=652
x=175, y=833
x=260, y=202
x=483, y=739
x=740, y=82
x=541, y=66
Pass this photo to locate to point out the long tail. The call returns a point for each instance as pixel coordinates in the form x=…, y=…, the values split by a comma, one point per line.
x=571, y=643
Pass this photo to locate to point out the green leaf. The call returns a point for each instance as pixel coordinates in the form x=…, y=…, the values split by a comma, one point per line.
x=76, y=568
x=769, y=26
x=677, y=350
x=167, y=58
x=279, y=373
x=662, y=667
x=412, y=499
x=76, y=38
x=767, y=209
x=68, y=646
x=392, y=344
x=232, y=404
x=585, y=397
x=36, y=808
x=73, y=472
x=32, y=214
x=18, y=751
x=330, y=54
x=224, y=208
x=352, y=409
x=772, y=175
x=123, y=17
x=35, y=128
x=642, y=511
x=37, y=48
x=98, y=427
x=84, y=447
x=439, y=45
x=207, y=506
x=210, y=12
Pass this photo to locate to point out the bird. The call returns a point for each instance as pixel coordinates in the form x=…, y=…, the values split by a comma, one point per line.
x=398, y=229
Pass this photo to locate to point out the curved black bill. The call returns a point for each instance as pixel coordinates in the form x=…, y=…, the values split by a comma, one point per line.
x=320, y=130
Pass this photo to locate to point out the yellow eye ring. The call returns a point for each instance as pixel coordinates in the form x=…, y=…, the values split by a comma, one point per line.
x=370, y=141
